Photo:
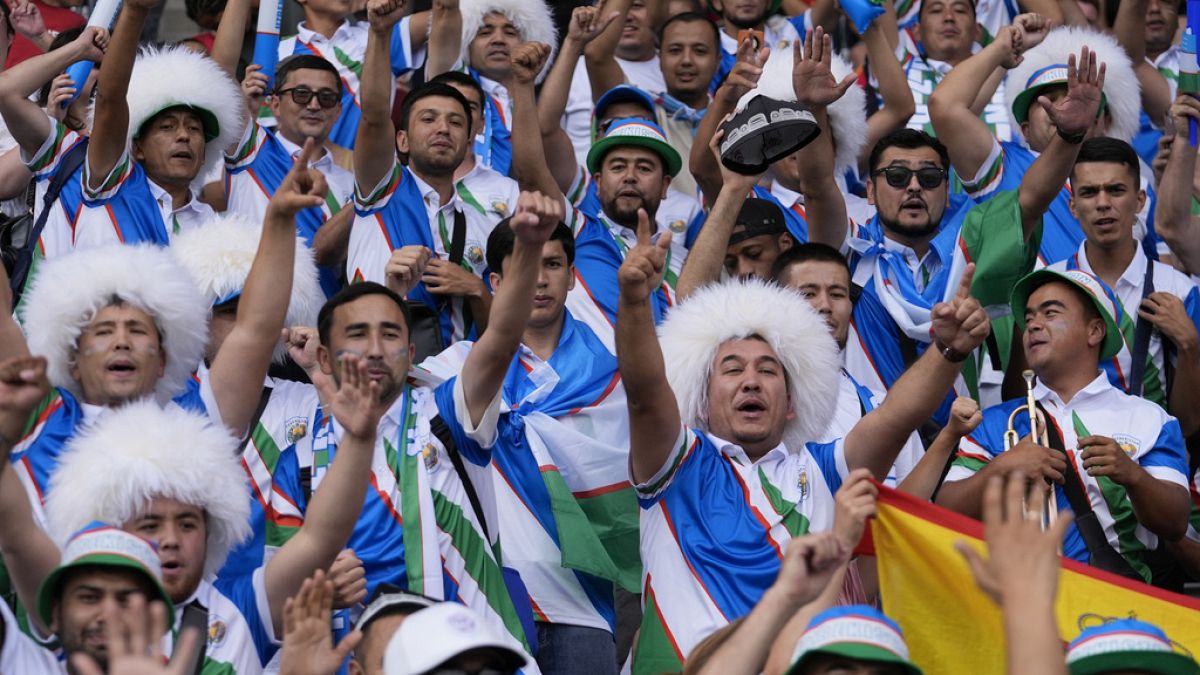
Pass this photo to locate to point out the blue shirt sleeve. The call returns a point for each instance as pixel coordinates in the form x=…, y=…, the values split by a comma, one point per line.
x=469, y=449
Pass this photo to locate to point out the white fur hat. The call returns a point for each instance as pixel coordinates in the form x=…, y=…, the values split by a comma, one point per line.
x=165, y=77
x=67, y=292
x=847, y=115
x=112, y=469
x=1121, y=88
x=531, y=18
x=693, y=332
x=219, y=254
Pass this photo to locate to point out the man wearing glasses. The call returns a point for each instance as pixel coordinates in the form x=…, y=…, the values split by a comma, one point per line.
x=306, y=103
x=911, y=255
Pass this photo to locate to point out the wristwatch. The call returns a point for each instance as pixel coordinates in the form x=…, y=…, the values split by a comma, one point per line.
x=1073, y=139
x=949, y=353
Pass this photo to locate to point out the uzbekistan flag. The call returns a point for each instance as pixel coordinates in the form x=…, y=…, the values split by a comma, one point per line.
x=951, y=627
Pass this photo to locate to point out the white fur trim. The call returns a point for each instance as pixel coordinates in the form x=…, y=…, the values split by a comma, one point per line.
x=847, y=115
x=693, y=332
x=173, y=75
x=1122, y=93
x=531, y=17
x=219, y=254
x=112, y=469
x=68, y=291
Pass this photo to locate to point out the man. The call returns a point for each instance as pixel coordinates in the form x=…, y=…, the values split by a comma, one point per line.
x=56, y=15
x=306, y=103
x=328, y=32
x=491, y=29
x=857, y=637
x=690, y=48
x=1036, y=61
x=567, y=515
x=721, y=419
x=780, y=33
x=632, y=167
x=101, y=568
x=759, y=236
x=417, y=205
x=449, y=638
x=388, y=609
x=1105, y=200
x=908, y=256
x=1146, y=30
x=160, y=128
x=1127, y=454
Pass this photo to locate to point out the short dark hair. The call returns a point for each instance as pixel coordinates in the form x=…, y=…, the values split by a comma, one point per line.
x=974, y=9
x=502, y=239
x=198, y=8
x=802, y=253
x=692, y=17
x=348, y=295
x=453, y=77
x=1111, y=150
x=304, y=62
x=427, y=90
x=908, y=139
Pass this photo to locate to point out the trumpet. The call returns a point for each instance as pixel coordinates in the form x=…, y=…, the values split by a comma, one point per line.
x=1048, y=511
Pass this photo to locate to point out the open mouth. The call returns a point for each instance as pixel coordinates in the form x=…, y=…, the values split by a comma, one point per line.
x=121, y=367
x=171, y=568
x=752, y=407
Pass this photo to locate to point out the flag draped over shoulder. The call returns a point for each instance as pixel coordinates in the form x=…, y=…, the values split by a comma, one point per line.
x=927, y=587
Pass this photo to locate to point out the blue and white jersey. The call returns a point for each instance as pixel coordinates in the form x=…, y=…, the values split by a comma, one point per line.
x=20, y=653
x=241, y=638
x=925, y=74
x=714, y=527
x=346, y=50
x=1129, y=291
x=58, y=236
x=780, y=33
x=1144, y=431
x=853, y=402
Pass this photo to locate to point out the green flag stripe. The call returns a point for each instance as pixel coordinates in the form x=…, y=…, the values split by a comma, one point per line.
x=793, y=520
x=655, y=652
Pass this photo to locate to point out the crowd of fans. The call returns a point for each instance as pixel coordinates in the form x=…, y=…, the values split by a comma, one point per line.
x=455, y=341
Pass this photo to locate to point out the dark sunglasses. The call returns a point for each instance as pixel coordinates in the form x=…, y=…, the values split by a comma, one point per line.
x=326, y=98
x=900, y=176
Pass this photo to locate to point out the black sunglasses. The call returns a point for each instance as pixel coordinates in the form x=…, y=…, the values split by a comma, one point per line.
x=326, y=98
x=900, y=176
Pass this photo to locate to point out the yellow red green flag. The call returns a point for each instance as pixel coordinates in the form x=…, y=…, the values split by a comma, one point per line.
x=952, y=628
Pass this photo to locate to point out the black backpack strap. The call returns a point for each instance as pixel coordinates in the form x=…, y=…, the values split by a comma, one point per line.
x=195, y=616
x=1141, y=338
x=263, y=399
x=1101, y=553
x=441, y=431
x=67, y=167
x=458, y=246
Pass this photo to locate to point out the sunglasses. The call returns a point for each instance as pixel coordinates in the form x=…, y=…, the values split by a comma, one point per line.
x=326, y=98
x=900, y=176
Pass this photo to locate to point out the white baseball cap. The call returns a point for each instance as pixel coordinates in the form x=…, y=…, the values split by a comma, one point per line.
x=432, y=636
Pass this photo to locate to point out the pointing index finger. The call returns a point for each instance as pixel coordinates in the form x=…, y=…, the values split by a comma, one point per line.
x=306, y=154
x=643, y=228
x=964, y=284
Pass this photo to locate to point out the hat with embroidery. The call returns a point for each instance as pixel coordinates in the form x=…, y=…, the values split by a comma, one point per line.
x=1101, y=295
x=1127, y=645
x=632, y=131
x=857, y=632
x=100, y=545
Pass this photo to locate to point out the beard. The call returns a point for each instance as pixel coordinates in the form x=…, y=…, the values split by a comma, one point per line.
x=909, y=231
x=747, y=24
x=435, y=165
x=629, y=217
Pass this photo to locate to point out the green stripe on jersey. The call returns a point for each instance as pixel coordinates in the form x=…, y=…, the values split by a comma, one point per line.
x=654, y=653
x=793, y=520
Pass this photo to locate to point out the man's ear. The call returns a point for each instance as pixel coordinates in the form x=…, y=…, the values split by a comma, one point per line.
x=495, y=279
x=324, y=359
x=666, y=186
x=1096, y=332
x=571, y=283
x=402, y=142
x=786, y=241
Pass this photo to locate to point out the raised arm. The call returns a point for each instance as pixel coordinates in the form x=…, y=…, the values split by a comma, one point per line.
x=959, y=326
x=654, y=421
x=600, y=55
x=238, y=369
x=29, y=554
x=1072, y=115
x=445, y=38
x=741, y=79
x=1130, y=31
x=924, y=478
x=967, y=137
x=110, y=124
x=816, y=88
x=333, y=238
x=231, y=33
x=330, y=518
x=487, y=364
x=12, y=338
x=898, y=104
x=707, y=255
x=1173, y=218
x=375, y=142
x=529, y=156
x=26, y=121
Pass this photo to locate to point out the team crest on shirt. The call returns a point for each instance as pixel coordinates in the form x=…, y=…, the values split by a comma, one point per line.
x=474, y=254
x=783, y=44
x=677, y=226
x=430, y=455
x=216, y=632
x=1128, y=443
x=296, y=428
x=802, y=484
x=499, y=205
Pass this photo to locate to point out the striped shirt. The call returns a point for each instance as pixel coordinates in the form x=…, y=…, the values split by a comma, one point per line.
x=58, y=236
x=714, y=527
x=1129, y=289
x=853, y=402
x=924, y=74
x=346, y=50
x=1145, y=431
